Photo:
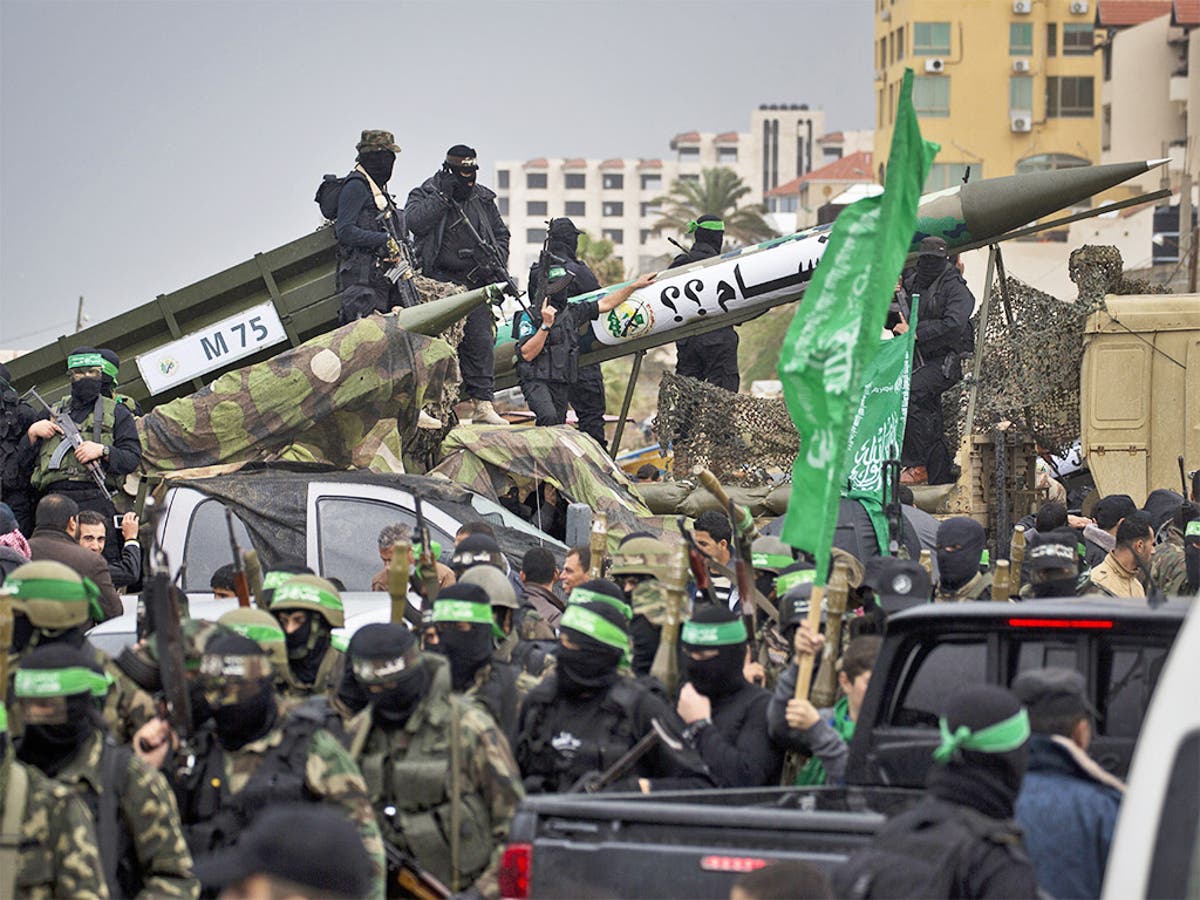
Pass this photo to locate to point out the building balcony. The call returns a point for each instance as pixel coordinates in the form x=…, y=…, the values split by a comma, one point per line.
x=1177, y=89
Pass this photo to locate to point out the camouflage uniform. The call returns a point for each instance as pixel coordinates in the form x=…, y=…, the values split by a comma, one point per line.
x=148, y=814
x=978, y=588
x=58, y=855
x=1168, y=566
x=412, y=787
x=318, y=598
x=127, y=707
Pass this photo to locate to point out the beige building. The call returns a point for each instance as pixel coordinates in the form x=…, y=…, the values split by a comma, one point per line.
x=807, y=195
x=615, y=198
x=1003, y=86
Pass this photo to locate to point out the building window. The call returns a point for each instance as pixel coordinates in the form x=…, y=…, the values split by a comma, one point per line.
x=1020, y=92
x=693, y=178
x=536, y=208
x=1049, y=162
x=646, y=210
x=535, y=235
x=945, y=175
x=786, y=204
x=1077, y=39
x=882, y=54
x=616, y=235
x=931, y=95
x=535, y=180
x=1106, y=127
x=575, y=181
x=644, y=236
x=576, y=208
x=1070, y=98
x=1106, y=55
x=1020, y=39
x=900, y=43
x=727, y=154
x=931, y=38
x=613, y=209
x=689, y=154
x=1051, y=38
x=879, y=103
x=502, y=178
x=892, y=103
x=613, y=182
x=502, y=203
x=651, y=182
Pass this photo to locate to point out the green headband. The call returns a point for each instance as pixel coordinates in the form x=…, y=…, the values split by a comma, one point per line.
x=260, y=634
x=594, y=626
x=1193, y=528
x=58, y=589
x=462, y=611
x=713, y=634
x=718, y=225
x=3, y=719
x=88, y=360
x=272, y=580
x=583, y=595
x=789, y=580
x=770, y=560
x=305, y=593
x=1002, y=737
x=60, y=682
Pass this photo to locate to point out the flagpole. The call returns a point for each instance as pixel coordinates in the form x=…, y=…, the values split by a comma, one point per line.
x=804, y=664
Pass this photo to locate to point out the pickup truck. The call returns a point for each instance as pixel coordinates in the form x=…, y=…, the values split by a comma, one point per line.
x=694, y=844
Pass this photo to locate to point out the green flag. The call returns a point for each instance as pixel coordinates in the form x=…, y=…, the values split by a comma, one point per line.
x=836, y=330
x=878, y=426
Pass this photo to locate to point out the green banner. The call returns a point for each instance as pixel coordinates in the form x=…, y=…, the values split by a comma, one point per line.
x=878, y=426
x=836, y=331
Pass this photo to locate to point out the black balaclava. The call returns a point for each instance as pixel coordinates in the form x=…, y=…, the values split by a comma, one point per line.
x=467, y=651
x=929, y=267
x=378, y=164
x=1057, y=587
x=350, y=691
x=252, y=716
x=645, y=636
x=957, y=567
x=306, y=647
x=51, y=747
x=721, y=675
x=108, y=384
x=1162, y=506
x=987, y=782
x=706, y=237
x=403, y=692
x=593, y=666
x=201, y=711
x=84, y=391
x=463, y=183
x=563, y=238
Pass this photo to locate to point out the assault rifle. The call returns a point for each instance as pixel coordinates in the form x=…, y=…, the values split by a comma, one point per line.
x=541, y=288
x=892, y=509
x=487, y=259
x=744, y=572
x=595, y=782
x=241, y=587
x=72, y=439
x=406, y=878
x=403, y=267
x=426, y=563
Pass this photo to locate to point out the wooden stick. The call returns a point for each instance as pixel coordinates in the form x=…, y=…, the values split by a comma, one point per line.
x=804, y=662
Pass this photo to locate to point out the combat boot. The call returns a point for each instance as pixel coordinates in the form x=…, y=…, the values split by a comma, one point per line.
x=483, y=413
x=427, y=422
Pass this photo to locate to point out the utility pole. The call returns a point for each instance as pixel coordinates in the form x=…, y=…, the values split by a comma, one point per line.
x=79, y=316
x=1187, y=243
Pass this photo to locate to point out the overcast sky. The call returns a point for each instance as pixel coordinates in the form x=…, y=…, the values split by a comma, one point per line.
x=145, y=145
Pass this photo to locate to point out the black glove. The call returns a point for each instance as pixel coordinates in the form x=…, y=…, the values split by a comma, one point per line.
x=444, y=182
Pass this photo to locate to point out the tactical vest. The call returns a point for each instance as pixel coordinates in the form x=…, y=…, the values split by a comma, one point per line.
x=118, y=858
x=357, y=265
x=410, y=790
x=608, y=736
x=98, y=427
x=221, y=817
x=559, y=359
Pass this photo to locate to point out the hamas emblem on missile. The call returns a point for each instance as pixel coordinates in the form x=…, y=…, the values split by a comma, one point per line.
x=631, y=319
x=167, y=365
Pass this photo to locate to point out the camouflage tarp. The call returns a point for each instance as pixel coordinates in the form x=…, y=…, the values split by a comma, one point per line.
x=349, y=398
x=492, y=459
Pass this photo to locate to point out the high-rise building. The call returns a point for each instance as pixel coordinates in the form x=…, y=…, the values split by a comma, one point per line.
x=616, y=199
x=1004, y=86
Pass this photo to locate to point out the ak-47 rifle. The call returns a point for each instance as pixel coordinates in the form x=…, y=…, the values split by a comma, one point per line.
x=72, y=439
x=403, y=268
x=426, y=563
x=595, y=782
x=488, y=263
x=698, y=563
x=254, y=577
x=744, y=572
x=598, y=544
x=892, y=509
x=666, y=658
x=165, y=620
x=541, y=288
x=1183, y=477
x=406, y=878
x=240, y=586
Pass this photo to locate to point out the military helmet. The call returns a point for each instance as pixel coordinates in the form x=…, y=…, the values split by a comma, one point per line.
x=642, y=556
x=650, y=601
x=311, y=593
x=494, y=583
x=769, y=554
x=262, y=628
x=52, y=595
x=59, y=670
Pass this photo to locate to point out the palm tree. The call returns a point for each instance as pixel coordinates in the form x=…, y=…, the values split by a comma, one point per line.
x=597, y=256
x=716, y=194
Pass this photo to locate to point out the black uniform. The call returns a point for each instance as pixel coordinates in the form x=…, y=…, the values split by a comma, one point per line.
x=710, y=357
x=736, y=747
x=944, y=335
x=362, y=242
x=547, y=378
x=15, y=418
x=447, y=252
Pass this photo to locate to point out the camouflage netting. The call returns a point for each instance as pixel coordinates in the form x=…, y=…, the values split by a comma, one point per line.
x=349, y=397
x=491, y=460
x=1030, y=372
x=424, y=445
x=737, y=437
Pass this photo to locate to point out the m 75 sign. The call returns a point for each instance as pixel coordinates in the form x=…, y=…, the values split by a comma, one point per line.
x=201, y=352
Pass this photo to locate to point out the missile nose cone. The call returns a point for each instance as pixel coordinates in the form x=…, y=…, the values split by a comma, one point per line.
x=434, y=317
